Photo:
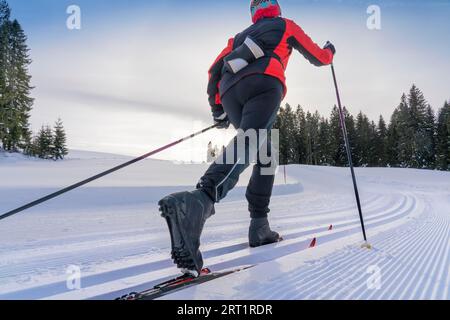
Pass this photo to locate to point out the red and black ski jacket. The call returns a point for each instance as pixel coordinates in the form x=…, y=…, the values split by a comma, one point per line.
x=278, y=36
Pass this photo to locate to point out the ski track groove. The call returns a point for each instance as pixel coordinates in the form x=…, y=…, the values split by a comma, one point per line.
x=393, y=242
x=405, y=277
x=428, y=257
x=309, y=276
x=348, y=269
x=436, y=229
x=422, y=263
x=403, y=243
x=340, y=262
x=142, y=246
x=447, y=283
x=441, y=278
x=412, y=259
x=117, y=255
x=265, y=255
x=397, y=243
x=59, y=287
x=415, y=240
x=294, y=247
x=392, y=271
x=431, y=268
x=368, y=204
x=333, y=274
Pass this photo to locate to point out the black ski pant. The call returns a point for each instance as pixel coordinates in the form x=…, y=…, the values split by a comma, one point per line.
x=252, y=103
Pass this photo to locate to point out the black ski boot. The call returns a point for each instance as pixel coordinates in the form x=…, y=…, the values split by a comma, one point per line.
x=186, y=214
x=260, y=233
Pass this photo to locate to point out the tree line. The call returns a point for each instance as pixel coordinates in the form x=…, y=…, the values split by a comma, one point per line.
x=414, y=138
x=15, y=97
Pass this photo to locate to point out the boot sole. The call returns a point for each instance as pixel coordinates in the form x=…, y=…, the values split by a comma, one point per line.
x=266, y=243
x=171, y=212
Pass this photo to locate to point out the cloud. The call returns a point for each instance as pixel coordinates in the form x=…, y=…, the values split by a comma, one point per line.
x=108, y=101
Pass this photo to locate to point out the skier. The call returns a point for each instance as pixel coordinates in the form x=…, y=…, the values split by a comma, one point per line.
x=246, y=87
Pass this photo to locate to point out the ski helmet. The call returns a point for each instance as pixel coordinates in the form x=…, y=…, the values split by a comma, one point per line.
x=264, y=9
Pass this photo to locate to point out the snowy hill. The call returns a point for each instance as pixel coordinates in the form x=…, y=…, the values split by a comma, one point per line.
x=112, y=231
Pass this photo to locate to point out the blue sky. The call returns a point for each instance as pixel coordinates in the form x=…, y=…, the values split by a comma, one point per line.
x=134, y=76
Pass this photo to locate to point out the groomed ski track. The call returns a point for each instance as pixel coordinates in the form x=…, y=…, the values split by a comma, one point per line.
x=407, y=215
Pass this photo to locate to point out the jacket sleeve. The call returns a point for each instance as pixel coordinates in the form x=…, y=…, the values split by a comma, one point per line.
x=215, y=74
x=300, y=41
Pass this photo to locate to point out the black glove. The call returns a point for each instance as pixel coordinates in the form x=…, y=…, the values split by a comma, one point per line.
x=220, y=117
x=330, y=46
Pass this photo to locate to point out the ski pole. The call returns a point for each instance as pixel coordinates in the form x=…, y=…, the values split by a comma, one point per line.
x=349, y=156
x=100, y=175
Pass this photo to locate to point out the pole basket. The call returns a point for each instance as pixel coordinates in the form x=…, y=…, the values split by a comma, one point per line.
x=366, y=245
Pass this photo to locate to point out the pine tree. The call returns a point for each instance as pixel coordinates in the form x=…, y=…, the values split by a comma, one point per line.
x=15, y=102
x=309, y=139
x=392, y=141
x=300, y=136
x=411, y=134
x=380, y=145
x=32, y=148
x=312, y=138
x=18, y=102
x=412, y=139
x=421, y=130
x=286, y=125
x=45, y=143
x=407, y=123
x=4, y=36
x=5, y=11
x=337, y=140
x=443, y=138
x=59, y=141
x=363, y=141
x=351, y=131
x=373, y=160
x=283, y=145
x=324, y=150
x=400, y=136
x=15, y=89
x=430, y=136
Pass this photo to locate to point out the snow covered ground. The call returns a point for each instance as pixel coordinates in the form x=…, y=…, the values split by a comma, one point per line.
x=111, y=230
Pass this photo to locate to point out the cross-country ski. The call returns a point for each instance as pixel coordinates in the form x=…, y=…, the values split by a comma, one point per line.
x=179, y=283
